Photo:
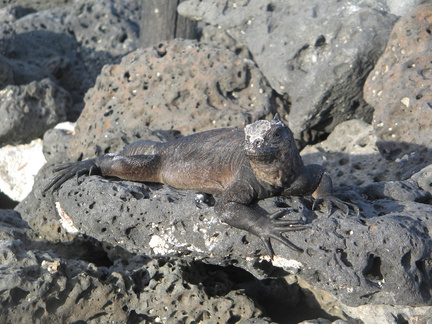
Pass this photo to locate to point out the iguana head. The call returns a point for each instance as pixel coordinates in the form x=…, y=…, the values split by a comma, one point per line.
x=270, y=147
x=266, y=138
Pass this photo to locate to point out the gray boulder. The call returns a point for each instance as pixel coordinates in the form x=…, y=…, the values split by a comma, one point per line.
x=399, y=90
x=317, y=53
x=180, y=86
x=380, y=257
x=27, y=111
x=68, y=44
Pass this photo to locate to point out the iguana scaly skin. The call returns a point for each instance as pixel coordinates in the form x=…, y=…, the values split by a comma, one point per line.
x=239, y=166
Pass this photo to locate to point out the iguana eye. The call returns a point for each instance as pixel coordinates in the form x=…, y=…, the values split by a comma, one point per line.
x=277, y=134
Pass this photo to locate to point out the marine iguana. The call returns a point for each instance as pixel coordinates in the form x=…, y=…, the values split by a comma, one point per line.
x=241, y=166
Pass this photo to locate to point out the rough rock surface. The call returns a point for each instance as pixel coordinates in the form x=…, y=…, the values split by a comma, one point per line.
x=36, y=4
x=383, y=257
x=68, y=44
x=213, y=89
x=55, y=290
x=399, y=88
x=27, y=111
x=352, y=157
x=320, y=63
x=18, y=167
x=56, y=141
x=198, y=267
x=38, y=285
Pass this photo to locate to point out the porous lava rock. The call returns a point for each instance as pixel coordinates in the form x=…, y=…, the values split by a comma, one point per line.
x=41, y=287
x=27, y=111
x=381, y=257
x=177, y=86
x=352, y=157
x=68, y=44
x=399, y=88
x=317, y=52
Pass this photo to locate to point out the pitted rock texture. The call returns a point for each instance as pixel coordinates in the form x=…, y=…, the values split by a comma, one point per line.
x=41, y=287
x=12, y=226
x=27, y=111
x=318, y=52
x=36, y=4
x=383, y=257
x=347, y=154
x=399, y=87
x=56, y=141
x=68, y=44
x=214, y=36
x=179, y=85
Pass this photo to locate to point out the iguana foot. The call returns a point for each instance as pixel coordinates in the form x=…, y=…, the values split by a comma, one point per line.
x=332, y=201
x=274, y=229
x=69, y=170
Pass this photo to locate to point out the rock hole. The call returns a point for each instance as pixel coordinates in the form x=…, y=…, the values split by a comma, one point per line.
x=372, y=270
x=123, y=38
x=358, y=166
x=406, y=260
x=17, y=294
x=270, y=7
x=103, y=230
x=126, y=75
x=343, y=161
x=320, y=41
x=244, y=240
x=129, y=230
x=344, y=259
x=419, y=96
x=234, y=319
x=108, y=113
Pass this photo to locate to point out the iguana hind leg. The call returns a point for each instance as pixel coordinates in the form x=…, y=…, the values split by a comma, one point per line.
x=145, y=168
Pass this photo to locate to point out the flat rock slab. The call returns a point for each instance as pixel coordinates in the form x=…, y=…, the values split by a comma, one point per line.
x=382, y=257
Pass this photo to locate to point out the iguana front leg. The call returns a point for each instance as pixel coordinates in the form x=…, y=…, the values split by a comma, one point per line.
x=237, y=213
x=323, y=194
x=316, y=181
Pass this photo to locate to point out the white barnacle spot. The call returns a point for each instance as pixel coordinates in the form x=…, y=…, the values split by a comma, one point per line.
x=65, y=220
x=405, y=101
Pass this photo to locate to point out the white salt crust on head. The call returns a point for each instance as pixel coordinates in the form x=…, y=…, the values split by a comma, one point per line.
x=259, y=129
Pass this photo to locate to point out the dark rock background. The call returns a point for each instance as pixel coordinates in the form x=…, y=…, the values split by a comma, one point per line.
x=351, y=76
